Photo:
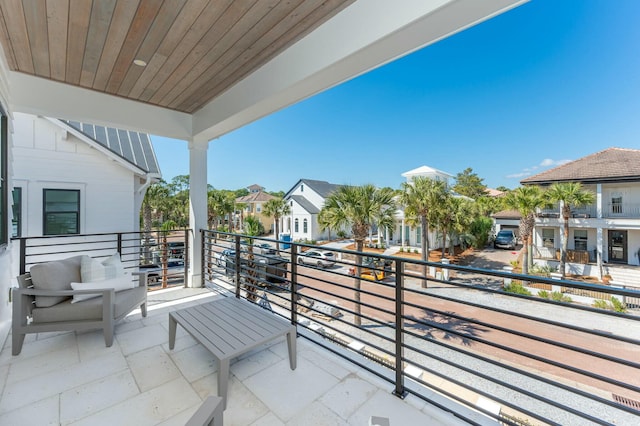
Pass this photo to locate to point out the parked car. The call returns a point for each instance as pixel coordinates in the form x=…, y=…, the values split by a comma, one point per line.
x=320, y=258
x=175, y=270
x=221, y=257
x=264, y=248
x=506, y=238
x=175, y=249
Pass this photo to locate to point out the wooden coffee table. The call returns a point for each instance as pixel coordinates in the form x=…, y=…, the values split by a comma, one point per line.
x=229, y=327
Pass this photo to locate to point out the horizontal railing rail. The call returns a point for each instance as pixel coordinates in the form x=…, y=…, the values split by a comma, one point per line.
x=137, y=249
x=536, y=355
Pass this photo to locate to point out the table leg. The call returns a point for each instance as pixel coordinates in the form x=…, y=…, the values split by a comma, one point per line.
x=291, y=344
x=172, y=331
x=223, y=379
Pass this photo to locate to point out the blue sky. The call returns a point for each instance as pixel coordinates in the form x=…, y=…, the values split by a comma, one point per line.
x=547, y=82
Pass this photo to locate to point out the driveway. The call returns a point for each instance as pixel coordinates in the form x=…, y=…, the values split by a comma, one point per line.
x=490, y=258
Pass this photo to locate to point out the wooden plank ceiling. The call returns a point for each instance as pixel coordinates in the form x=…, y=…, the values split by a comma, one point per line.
x=193, y=49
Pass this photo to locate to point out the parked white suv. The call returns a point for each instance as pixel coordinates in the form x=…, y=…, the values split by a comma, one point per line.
x=318, y=258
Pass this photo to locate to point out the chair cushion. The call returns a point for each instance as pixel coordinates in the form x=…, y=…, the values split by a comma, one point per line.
x=90, y=310
x=56, y=275
x=94, y=270
x=123, y=282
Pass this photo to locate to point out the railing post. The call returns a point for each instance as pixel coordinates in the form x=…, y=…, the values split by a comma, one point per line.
x=119, y=248
x=202, y=259
x=237, y=265
x=399, y=391
x=23, y=256
x=294, y=284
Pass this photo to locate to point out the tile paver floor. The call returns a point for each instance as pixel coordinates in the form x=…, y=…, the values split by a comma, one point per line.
x=73, y=379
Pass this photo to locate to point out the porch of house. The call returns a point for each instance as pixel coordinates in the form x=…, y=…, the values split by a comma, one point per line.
x=73, y=379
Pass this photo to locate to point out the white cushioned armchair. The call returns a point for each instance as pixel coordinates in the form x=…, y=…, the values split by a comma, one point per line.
x=44, y=301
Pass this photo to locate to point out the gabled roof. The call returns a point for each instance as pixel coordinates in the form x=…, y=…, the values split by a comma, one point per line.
x=134, y=147
x=425, y=170
x=305, y=204
x=507, y=214
x=255, y=197
x=610, y=165
x=323, y=188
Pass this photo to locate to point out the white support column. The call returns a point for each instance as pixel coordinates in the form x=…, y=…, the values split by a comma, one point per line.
x=599, y=200
x=197, y=207
x=599, y=244
x=402, y=233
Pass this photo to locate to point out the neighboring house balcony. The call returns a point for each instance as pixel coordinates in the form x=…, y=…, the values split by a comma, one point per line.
x=459, y=348
x=609, y=211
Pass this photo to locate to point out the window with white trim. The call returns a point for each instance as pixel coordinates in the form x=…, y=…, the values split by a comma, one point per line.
x=548, y=237
x=580, y=239
x=61, y=213
x=304, y=226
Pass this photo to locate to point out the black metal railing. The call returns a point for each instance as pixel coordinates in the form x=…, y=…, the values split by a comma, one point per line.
x=137, y=249
x=537, y=356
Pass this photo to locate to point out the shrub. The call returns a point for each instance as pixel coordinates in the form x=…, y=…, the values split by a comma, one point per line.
x=618, y=306
x=541, y=270
x=415, y=251
x=515, y=264
x=544, y=294
x=480, y=229
x=559, y=297
x=601, y=304
x=341, y=234
x=401, y=249
x=516, y=288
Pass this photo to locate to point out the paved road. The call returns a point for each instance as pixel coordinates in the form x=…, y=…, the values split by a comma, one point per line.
x=479, y=330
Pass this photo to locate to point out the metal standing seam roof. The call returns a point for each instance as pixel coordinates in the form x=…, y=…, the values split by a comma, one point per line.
x=134, y=147
x=322, y=187
x=305, y=204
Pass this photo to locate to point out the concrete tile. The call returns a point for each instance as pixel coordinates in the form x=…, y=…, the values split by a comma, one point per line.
x=385, y=404
x=95, y=396
x=43, y=412
x=268, y=420
x=43, y=363
x=317, y=414
x=183, y=341
x=288, y=392
x=257, y=362
x=91, y=344
x=4, y=372
x=148, y=408
x=52, y=342
x=348, y=395
x=207, y=385
x=243, y=407
x=141, y=338
x=152, y=367
x=331, y=364
x=194, y=362
x=181, y=418
x=26, y=392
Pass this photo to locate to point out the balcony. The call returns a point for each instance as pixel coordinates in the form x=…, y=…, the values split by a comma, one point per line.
x=611, y=210
x=457, y=348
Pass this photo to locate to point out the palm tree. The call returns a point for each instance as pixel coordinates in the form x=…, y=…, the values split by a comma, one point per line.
x=276, y=208
x=252, y=228
x=164, y=230
x=358, y=207
x=325, y=221
x=219, y=205
x=155, y=195
x=526, y=199
x=420, y=197
x=568, y=194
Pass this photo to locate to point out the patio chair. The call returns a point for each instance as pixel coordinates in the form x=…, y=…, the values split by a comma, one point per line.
x=52, y=297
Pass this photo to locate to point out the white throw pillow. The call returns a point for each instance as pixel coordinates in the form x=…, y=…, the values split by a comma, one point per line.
x=94, y=270
x=123, y=282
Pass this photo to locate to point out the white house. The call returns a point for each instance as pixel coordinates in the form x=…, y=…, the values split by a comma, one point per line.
x=407, y=235
x=306, y=198
x=77, y=178
x=602, y=236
